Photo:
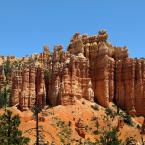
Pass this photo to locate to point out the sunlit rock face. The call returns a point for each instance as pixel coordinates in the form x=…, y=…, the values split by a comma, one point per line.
x=90, y=68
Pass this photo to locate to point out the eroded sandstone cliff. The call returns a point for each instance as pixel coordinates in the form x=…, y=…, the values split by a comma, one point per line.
x=90, y=68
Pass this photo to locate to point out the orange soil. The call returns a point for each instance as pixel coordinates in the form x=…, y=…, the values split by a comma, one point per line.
x=70, y=113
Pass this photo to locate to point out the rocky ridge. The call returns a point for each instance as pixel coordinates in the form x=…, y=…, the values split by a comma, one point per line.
x=91, y=68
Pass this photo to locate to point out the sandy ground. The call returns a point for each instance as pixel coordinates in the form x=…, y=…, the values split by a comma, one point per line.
x=54, y=123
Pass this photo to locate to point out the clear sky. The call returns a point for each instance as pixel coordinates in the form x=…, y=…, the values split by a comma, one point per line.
x=27, y=25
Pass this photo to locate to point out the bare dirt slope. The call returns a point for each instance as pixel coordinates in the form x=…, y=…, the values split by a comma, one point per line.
x=74, y=124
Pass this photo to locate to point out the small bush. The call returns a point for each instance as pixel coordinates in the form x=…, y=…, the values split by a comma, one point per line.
x=121, y=114
x=114, y=106
x=96, y=132
x=110, y=112
x=69, y=123
x=60, y=123
x=93, y=118
x=131, y=141
x=128, y=120
x=88, y=142
x=110, y=138
x=95, y=107
x=138, y=126
x=4, y=97
x=47, y=74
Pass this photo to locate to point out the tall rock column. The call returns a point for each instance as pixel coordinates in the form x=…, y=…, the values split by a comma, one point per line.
x=102, y=71
x=119, y=87
x=24, y=96
x=54, y=90
x=128, y=79
x=2, y=77
x=111, y=67
x=66, y=98
x=125, y=75
x=40, y=88
x=16, y=87
x=32, y=93
x=139, y=99
x=143, y=81
x=102, y=81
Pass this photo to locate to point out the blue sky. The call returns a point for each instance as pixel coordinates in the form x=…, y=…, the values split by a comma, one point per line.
x=27, y=25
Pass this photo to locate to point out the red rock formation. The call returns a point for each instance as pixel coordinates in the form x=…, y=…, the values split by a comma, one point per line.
x=32, y=91
x=16, y=87
x=125, y=83
x=24, y=95
x=40, y=88
x=80, y=128
x=138, y=88
x=143, y=127
x=2, y=77
x=91, y=68
x=120, y=124
x=129, y=85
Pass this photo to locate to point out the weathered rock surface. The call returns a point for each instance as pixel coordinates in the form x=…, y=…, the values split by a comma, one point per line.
x=91, y=68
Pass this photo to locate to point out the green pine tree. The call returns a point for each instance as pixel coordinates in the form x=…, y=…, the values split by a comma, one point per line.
x=110, y=138
x=9, y=133
x=7, y=69
x=4, y=97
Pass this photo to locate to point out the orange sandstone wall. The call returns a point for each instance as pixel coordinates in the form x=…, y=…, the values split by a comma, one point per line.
x=91, y=68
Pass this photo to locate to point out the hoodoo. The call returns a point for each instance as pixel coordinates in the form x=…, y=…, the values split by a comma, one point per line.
x=90, y=68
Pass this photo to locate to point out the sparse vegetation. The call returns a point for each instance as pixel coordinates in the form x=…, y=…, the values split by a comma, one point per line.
x=9, y=133
x=16, y=64
x=4, y=97
x=110, y=138
x=30, y=61
x=95, y=107
x=130, y=141
x=65, y=134
x=47, y=74
x=96, y=132
x=65, y=131
x=128, y=120
x=7, y=69
x=88, y=142
x=108, y=133
x=138, y=126
x=109, y=112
